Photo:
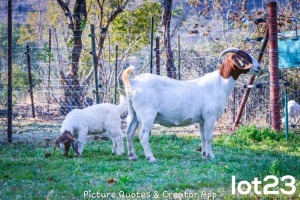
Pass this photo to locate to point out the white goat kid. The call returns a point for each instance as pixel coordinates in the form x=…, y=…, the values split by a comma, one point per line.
x=94, y=119
x=172, y=103
x=293, y=113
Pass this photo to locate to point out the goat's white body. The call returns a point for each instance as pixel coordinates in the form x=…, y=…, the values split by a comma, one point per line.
x=169, y=102
x=96, y=119
x=161, y=100
x=293, y=112
x=180, y=103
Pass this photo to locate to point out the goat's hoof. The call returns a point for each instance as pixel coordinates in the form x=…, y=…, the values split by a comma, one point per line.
x=210, y=156
x=133, y=157
x=203, y=154
x=151, y=160
x=119, y=154
x=77, y=155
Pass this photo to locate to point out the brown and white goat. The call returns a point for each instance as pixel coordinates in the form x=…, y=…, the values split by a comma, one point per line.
x=153, y=99
x=94, y=119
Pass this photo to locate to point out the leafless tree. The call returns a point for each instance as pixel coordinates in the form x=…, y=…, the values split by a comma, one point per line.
x=166, y=22
x=74, y=91
x=73, y=95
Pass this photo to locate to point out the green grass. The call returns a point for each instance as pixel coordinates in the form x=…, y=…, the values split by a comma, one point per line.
x=25, y=173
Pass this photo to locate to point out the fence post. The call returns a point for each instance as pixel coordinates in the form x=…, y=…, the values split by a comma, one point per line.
x=178, y=50
x=93, y=53
x=9, y=72
x=30, y=79
x=109, y=53
x=157, y=55
x=116, y=75
x=151, y=44
x=49, y=68
x=273, y=66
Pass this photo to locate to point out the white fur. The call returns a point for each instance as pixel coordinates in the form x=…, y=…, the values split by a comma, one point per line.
x=293, y=112
x=97, y=119
x=161, y=100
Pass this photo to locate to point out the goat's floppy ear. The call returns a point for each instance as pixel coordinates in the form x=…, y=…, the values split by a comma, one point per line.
x=59, y=140
x=66, y=138
x=62, y=139
x=242, y=60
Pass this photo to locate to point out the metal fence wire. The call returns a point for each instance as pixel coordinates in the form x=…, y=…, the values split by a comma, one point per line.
x=38, y=93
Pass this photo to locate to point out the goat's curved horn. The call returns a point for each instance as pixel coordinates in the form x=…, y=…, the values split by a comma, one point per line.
x=232, y=49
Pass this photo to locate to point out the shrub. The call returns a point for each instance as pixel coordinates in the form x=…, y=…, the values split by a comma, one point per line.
x=251, y=134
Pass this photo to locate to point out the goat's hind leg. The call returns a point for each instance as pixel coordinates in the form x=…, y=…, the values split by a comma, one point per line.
x=132, y=126
x=115, y=134
x=144, y=138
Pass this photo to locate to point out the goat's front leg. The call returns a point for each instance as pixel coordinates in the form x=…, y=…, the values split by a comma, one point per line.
x=208, y=129
x=132, y=126
x=203, y=139
x=82, y=133
x=209, y=153
x=144, y=138
x=116, y=136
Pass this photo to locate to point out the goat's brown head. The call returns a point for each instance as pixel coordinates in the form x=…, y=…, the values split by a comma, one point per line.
x=65, y=141
x=237, y=63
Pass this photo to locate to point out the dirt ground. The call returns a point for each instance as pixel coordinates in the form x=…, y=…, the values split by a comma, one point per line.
x=44, y=131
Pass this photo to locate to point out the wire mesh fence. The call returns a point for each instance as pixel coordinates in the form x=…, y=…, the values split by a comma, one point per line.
x=39, y=92
x=39, y=106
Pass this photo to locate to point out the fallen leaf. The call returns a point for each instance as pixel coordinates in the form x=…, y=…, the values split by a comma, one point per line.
x=111, y=181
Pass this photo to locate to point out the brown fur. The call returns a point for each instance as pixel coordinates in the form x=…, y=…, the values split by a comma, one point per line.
x=235, y=65
x=66, y=138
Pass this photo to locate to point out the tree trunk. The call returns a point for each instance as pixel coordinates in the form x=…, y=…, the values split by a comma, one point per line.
x=73, y=94
x=166, y=22
x=120, y=6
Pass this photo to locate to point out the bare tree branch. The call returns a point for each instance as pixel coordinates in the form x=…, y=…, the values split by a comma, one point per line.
x=65, y=7
x=87, y=79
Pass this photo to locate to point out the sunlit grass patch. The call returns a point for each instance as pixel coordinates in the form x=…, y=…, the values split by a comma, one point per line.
x=26, y=173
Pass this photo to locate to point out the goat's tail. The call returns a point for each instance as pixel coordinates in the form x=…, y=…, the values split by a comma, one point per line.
x=122, y=104
x=125, y=79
